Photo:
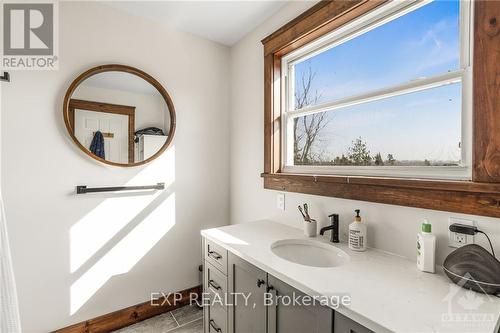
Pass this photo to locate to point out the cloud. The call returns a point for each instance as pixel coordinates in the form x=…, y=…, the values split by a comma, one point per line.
x=437, y=47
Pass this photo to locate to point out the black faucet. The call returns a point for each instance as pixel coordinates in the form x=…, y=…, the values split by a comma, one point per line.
x=334, y=227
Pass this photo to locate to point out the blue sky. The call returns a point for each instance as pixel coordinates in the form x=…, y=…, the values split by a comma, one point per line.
x=424, y=125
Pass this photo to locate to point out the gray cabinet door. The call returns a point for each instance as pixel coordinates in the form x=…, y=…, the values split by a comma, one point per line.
x=347, y=325
x=246, y=288
x=287, y=317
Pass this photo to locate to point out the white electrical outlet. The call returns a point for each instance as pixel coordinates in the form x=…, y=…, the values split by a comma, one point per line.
x=280, y=201
x=456, y=239
x=460, y=238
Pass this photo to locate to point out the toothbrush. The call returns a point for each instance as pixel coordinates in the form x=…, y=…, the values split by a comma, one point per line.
x=302, y=212
x=306, y=211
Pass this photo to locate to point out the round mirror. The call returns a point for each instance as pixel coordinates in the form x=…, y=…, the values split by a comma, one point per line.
x=119, y=115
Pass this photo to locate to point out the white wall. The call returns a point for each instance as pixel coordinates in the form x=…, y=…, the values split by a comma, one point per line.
x=391, y=228
x=114, y=250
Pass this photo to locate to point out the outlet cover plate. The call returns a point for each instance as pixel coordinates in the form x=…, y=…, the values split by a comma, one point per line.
x=280, y=201
x=456, y=239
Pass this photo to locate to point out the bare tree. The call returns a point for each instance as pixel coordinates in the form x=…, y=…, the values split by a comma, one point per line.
x=307, y=128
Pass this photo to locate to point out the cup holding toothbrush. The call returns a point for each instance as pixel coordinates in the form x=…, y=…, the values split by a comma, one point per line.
x=310, y=228
x=310, y=225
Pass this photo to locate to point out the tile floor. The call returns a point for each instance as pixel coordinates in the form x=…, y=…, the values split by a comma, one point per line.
x=188, y=319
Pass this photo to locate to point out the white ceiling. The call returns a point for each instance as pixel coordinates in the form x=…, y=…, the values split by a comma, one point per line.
x=224, y=22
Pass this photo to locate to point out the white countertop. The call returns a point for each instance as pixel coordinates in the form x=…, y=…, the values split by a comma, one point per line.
x=388, y=293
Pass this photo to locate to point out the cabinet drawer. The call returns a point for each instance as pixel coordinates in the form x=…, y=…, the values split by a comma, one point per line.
x=342, y=324
x=214, y=281
x=215, y=319
x=216, y=255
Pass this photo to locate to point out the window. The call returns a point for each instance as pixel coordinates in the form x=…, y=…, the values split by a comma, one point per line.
x=409, y=122
x=388, y=94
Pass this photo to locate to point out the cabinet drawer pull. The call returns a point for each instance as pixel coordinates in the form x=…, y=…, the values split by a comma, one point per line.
x=214, y=255
x=214, y=326
x=260, y=282
x=214, y=284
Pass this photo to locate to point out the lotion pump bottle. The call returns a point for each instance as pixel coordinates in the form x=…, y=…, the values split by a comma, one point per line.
x=426, y=249
x=357, y=234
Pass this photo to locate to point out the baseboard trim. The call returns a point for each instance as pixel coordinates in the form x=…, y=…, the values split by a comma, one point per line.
x=131, y=315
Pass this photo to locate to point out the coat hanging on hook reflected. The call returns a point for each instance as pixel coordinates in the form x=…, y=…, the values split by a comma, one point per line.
x=97, y=145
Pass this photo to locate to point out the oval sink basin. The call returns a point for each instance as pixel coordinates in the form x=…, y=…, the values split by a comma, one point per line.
x=309, y=253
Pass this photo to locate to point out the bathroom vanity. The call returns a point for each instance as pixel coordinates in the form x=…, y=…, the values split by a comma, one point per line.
x=246, y=286
x=265, y=261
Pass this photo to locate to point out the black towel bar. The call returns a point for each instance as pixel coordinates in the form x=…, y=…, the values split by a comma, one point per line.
x=84, y=189
x=5, y=77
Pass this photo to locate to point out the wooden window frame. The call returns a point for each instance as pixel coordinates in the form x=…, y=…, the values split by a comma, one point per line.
x=480, y=196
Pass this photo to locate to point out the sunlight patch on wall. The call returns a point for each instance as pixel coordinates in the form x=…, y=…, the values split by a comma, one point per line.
x=122, y=257
x=101, y=224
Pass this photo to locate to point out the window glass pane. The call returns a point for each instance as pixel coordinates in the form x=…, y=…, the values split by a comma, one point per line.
x=422, y=43
x=417, y=129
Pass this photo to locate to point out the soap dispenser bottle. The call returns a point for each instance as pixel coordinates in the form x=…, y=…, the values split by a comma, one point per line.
x=426, y=248
x=357, y=234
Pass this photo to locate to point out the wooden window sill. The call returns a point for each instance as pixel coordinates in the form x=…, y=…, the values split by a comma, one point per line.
x=457, y=196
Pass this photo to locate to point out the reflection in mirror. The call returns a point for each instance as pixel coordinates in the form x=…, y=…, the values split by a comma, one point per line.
x=119, y=117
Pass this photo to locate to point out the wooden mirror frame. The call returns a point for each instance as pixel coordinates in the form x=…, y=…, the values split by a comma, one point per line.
x=126, y=69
